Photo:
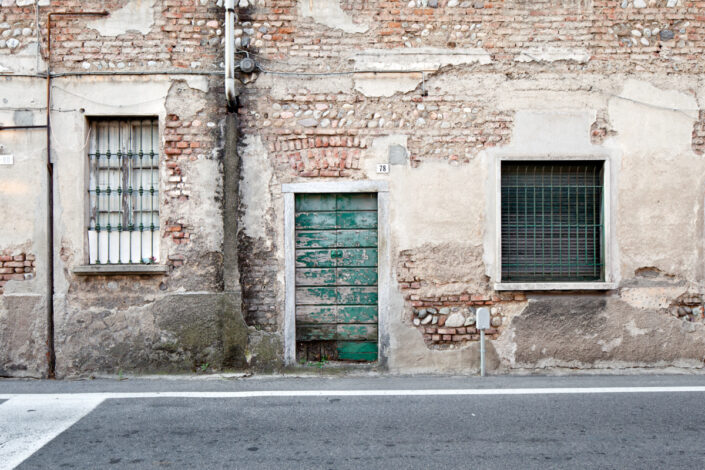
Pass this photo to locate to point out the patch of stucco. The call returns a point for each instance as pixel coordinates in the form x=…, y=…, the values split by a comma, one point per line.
x=417, y=58
x=554, y=54
x=552, y=132
x=22, y=327
x=449, y=268
x=652, y=135
x=386, y=84
x=166, y=333
x=384, y=72
x=279, y=89
x=255, y=194
x=197, y=83
x=457, y=192
x=26, y=60
x=136, y=15
x=599, y=332
x=329, y=13
x=651, y=297
x=653, y=120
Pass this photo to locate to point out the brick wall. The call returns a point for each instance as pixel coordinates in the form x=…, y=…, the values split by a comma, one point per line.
x=312, y=135
x=618, y=34
x=448, y=320
x=258, y=271
x=19, y=267
x=185, y=35
x=323, y=135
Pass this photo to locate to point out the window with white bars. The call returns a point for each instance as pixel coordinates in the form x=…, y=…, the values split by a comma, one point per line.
x=123, y=189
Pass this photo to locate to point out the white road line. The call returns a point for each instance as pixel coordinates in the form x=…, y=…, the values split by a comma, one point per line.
x=27, y=423
x=360, y=393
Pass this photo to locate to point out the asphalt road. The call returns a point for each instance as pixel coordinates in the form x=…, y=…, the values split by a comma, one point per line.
x=534, y=428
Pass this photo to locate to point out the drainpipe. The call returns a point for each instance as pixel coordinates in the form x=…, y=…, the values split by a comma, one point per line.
x=51, y=355
x=230, y=93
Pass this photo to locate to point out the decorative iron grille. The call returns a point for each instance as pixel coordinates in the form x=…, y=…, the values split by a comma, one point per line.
x=552, y=221
x=123, y=191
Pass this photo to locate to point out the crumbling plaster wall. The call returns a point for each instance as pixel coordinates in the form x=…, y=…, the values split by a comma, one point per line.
x=592, y=95
x=173, y=322
x=177, y=321
x=23, y=319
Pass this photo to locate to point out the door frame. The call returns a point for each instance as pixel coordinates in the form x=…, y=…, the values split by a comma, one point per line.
x=289, y=192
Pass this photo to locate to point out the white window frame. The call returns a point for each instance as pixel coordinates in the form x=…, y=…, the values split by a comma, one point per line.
x=92, y=269
x=608, y=283
x=383, y=267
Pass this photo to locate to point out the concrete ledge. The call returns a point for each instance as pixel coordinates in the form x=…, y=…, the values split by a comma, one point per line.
x=555, y=286
x=345, y=186
x=120, y=269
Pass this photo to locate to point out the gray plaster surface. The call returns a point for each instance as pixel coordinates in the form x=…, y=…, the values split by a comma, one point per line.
x=647, y=430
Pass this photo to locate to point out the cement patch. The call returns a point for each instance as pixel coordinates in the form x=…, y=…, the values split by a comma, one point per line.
x=136, y=15
x=602, y=332
x=554, y=54
x=386, y=84
x=176, y=333
x=23, y=336
x=255, y=193
x=329, y=13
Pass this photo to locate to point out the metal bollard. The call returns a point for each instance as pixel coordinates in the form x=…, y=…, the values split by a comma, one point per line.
x=483, y=322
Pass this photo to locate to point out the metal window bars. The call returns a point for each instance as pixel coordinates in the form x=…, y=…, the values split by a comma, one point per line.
x=123, y=191
x=552, y=225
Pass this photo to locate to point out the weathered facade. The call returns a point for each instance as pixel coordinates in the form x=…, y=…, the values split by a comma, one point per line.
x=390, y=168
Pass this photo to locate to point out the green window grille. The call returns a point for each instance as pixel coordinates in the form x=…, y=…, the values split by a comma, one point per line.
x=123, y=159
x=552, y=221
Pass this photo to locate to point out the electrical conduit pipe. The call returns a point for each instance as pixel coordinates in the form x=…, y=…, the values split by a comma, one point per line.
x=230, y=93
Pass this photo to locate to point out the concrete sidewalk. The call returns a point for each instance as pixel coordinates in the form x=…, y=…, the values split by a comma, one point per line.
x=238, y=382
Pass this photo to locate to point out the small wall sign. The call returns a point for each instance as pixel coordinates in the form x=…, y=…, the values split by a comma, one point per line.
x=483, y=318
x=383, y=168
x=7, y=159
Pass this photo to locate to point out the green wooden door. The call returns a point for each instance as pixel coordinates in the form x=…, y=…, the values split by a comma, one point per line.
x=336, y=276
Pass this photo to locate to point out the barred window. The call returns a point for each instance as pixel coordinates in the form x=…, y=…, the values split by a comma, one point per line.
x=552, y=221
x=123, y=225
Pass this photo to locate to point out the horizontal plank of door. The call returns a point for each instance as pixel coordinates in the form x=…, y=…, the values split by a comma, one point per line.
x=357, y=351
x=356, y=295
x=356, y=238
x=352, y=332
x=356, y=277
x=316, y=220
x=357, y=201
x=356, y=314
x=316, y=295
x=355, y=220
x=316, y=314
x=315, y=202
x=316, y=332
x=317, y=239
x=321, y=331
x=317, y=277
x=315, y=259
x=332, y=314
x=357, y=257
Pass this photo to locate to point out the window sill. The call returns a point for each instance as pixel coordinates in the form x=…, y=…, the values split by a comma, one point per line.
x=555, y=286
x=120, y=269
